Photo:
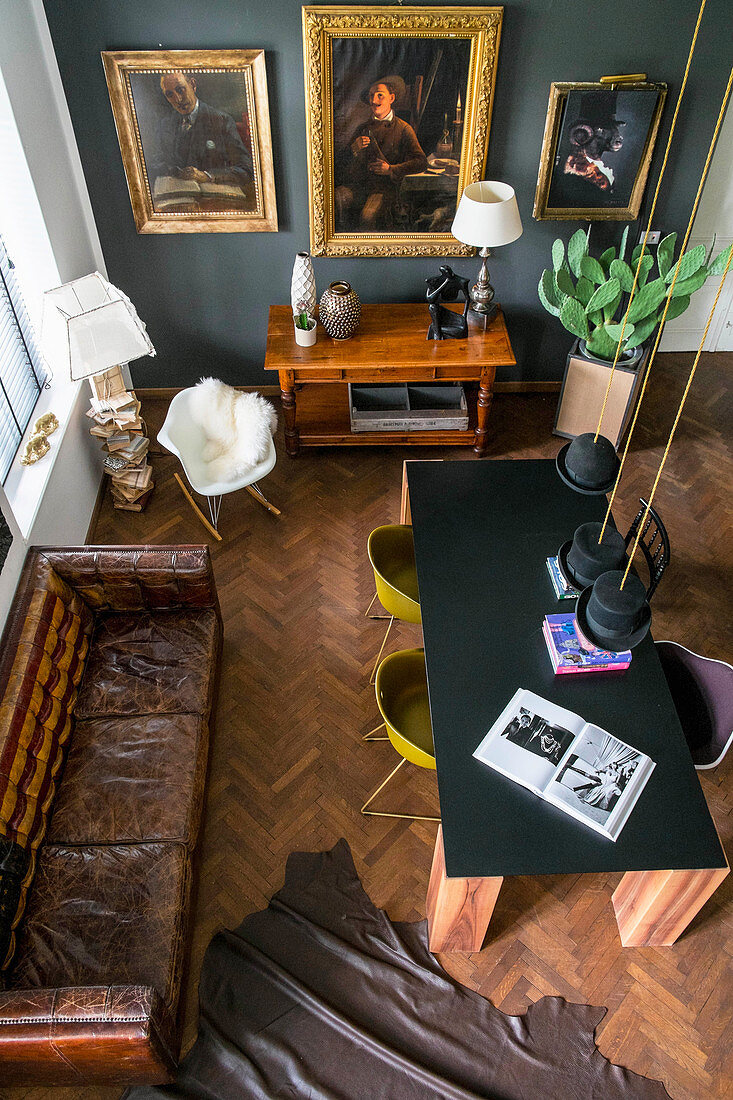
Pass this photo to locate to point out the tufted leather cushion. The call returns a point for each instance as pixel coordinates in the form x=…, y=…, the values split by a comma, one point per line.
x=106, y=915
x=150, y=663
x=132, y=779
x=133, y=578
x=44, y=649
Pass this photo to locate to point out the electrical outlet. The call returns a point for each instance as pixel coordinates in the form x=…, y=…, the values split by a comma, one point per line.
x=654, y=237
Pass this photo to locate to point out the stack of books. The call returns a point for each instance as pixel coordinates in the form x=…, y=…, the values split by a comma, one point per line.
x=561, y=588
x=115, y=411
x=571, y=652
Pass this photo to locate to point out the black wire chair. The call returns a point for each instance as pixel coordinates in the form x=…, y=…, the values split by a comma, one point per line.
x=654, y=544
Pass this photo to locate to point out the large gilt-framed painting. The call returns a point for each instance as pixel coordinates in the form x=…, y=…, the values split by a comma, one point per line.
x=597, y=150
x=398, y=112
x=194, y=133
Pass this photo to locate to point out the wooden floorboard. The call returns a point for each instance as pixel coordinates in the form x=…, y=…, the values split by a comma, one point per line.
x=289, y=769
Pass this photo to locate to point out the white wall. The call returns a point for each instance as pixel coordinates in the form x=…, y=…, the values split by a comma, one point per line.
x=34, y=86
x=714, y=221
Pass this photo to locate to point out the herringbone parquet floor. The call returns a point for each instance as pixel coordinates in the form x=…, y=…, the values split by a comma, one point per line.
x=289, y=769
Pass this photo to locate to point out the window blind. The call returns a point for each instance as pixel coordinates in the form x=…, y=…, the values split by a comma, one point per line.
x=22, y=372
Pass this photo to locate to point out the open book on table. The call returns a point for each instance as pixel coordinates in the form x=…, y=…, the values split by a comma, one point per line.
x=576, y=766
x=170, y=189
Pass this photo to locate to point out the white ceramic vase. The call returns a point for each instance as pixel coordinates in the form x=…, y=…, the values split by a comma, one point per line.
x=303, y=284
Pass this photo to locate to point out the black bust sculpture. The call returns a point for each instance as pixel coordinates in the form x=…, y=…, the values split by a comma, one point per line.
x=446, y=324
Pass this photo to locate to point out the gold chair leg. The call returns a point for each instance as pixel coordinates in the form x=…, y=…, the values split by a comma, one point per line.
x=382, y=813
x=369, y=737
x=381, y=651
x=368, y=616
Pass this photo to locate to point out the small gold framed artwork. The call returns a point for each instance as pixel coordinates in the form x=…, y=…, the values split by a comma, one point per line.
x=597, y=150
x=194, y=133
x=398, y=113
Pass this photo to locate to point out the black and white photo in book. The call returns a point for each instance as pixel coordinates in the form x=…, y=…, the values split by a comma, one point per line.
x=534, y=733
x=579, y=768
x=595, y=775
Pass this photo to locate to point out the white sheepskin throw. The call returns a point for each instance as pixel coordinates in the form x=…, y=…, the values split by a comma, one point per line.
x=238, y=427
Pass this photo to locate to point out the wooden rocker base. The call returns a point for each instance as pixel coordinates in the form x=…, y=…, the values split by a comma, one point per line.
x=215, y=502
x=383, y=813
x=209, y=526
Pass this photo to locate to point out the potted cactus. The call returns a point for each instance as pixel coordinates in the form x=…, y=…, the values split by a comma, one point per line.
x=590, y=296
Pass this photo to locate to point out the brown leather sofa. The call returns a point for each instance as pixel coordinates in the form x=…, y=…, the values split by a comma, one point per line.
x=108, y=674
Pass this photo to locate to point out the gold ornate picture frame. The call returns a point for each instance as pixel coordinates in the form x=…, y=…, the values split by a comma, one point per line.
x=194, y=133
x=398, y=113
x=597, y=150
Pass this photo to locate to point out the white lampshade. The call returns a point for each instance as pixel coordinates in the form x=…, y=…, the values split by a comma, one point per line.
x=89, y=326
x=487, y=215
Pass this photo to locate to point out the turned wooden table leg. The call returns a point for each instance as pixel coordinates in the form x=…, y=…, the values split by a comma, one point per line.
x=459, y=909
x=287, y=394
x=653, y=908
x=483, y=405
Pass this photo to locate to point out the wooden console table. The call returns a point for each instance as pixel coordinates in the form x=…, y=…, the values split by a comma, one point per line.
x=389, y=346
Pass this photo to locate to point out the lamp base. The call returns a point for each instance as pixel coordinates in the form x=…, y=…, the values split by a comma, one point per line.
x=482, y=292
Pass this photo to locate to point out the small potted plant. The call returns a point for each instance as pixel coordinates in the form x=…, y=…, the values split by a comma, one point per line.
x=305, y=326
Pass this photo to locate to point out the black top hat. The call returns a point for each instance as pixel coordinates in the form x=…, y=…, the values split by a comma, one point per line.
x=588, y=465
x=584, y=559
x=599, y=108
x=395, y=83
x=612, y=617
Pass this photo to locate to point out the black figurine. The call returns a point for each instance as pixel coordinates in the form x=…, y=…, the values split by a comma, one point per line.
x=446, y=324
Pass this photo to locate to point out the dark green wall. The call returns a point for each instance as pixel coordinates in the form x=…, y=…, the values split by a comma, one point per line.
x=205, y=297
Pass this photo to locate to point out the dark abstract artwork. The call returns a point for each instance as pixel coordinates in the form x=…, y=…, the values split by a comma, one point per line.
x=322, y=996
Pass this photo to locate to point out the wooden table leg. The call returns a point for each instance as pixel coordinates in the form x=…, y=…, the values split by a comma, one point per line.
x=459, y=909
x=653, y=908
x=287, y=394
x=483, y=405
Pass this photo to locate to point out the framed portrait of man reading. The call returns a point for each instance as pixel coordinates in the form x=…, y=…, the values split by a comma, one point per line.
x=398, y=112
x=194, y=133
x=597, y=150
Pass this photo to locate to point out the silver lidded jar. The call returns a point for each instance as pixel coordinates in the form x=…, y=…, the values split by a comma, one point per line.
x=340, y=310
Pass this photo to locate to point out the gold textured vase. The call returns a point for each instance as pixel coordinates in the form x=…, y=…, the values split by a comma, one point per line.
x=340, y=310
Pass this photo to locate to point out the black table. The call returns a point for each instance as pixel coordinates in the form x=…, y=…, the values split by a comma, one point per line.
x=482, y=534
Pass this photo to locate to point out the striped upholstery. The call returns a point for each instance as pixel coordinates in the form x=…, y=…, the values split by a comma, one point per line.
x=44, y=657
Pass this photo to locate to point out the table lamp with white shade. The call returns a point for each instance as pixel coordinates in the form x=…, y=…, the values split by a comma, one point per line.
x=487, y=216
x=89, y=326
x=91, y=330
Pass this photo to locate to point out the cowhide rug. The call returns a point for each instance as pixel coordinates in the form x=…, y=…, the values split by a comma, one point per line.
x=321, y=996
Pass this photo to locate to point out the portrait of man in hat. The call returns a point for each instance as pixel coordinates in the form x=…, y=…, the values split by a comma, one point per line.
x=380, y=152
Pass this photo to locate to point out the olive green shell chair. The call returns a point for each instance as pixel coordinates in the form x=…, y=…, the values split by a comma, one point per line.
x=392, y=555
x=402, y=697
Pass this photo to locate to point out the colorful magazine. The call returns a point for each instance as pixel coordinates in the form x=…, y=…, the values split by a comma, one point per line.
x=561, y=588
x=576, y=766
x=571, y=652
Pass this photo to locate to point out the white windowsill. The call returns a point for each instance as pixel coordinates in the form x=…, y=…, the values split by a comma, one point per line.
x=25, y=485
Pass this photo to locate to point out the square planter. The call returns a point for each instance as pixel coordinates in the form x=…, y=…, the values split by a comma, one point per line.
x=583, y=389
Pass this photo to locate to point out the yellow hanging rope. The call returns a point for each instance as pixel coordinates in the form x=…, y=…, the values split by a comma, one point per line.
x=651, y=215
x=677, y=418
x=660, y=330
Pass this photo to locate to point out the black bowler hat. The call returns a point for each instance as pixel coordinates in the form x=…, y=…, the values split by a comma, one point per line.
x=612, y=617
x=584, y=559
x=588, y=465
